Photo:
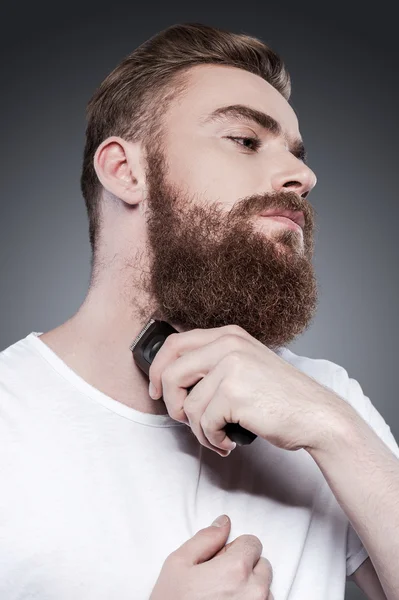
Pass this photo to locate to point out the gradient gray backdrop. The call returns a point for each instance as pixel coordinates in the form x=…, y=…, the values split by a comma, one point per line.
x=343, y=63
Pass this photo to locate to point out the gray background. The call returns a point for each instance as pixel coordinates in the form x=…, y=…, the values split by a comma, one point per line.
x=343, y=62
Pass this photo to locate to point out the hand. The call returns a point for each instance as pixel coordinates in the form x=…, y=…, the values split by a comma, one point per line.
x=240, y=380
x=203, y=568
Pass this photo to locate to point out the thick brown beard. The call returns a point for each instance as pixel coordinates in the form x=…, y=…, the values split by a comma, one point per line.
x=209, y=268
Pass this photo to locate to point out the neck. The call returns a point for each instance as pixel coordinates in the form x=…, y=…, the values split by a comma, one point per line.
x=95, y=344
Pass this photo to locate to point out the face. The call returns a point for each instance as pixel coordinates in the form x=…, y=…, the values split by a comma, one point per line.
x=214, y=260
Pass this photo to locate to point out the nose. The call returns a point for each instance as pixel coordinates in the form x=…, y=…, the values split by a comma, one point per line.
x=294, y=176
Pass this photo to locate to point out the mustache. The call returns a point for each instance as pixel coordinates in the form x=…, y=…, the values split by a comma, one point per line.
x=251, y=206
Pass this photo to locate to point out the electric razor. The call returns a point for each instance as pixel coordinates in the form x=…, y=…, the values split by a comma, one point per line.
x=144, y=349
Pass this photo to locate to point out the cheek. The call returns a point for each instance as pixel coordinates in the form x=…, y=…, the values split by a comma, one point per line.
x=212, y=174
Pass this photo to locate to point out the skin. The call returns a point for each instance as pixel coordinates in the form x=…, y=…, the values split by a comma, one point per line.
x=172, y=197
x=181, y=237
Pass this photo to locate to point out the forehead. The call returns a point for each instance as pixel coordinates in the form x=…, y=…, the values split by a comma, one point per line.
x=211, y=86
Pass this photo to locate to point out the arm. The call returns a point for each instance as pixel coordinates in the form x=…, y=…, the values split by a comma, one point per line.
x=363, y=474
x=367, y=580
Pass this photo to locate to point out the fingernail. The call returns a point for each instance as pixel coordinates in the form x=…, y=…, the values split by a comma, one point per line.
x=152, y=391
x=220, y=521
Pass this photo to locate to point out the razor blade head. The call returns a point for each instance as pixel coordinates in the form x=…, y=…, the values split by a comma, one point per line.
x=149, y=341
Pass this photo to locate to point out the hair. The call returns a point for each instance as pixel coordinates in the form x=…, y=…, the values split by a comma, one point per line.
x=132, y=100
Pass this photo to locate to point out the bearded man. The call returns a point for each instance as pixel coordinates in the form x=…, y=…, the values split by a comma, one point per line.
x=196, y=185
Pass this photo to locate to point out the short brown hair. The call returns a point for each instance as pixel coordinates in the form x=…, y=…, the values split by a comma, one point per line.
x=133, y=98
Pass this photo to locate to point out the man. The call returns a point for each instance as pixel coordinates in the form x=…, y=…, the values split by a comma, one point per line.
x=108, y=492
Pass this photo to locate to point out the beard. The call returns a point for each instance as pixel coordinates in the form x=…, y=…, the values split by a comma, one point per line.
x=209, y=267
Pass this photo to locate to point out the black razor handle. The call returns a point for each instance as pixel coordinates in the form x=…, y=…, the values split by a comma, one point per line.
x=145, y=348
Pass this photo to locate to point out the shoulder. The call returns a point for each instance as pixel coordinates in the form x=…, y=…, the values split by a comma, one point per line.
x=20, y=366
x=337, y=378
x=332, y=376
x=324, y=371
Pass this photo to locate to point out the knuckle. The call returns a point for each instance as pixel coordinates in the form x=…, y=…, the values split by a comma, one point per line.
x=174, y=559
x=204, y=422
x=175, y=413
x=260, y=592
x=251, y=547
x=267, y=564
x=232, y=341
x=190, y=409
x=228, y=387
x=232, y=359
x=253, y=544
x=264, y=572
x=234, y=329
x=240, y=570
x=171, y=340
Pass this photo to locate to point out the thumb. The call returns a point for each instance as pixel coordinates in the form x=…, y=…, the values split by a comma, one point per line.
x=206, y=542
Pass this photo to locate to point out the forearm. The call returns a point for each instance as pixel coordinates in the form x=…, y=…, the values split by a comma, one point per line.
x=363, y=474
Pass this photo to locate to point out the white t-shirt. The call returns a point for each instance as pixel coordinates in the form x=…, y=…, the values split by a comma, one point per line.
x=95, y=495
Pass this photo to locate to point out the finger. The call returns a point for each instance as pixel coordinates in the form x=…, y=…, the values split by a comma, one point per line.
x=194, y=405
x=178, y=344
x=263, y=572
x=176, y=401
x=246, y=549
x=227, y=404
x=188, y=370
x=223, y=550
x=188, y=408
x=208, y=423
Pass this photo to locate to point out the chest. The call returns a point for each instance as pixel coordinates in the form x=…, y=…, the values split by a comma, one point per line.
x=99, y=522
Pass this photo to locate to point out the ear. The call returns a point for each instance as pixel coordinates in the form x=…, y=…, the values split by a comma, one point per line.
x=119, y=167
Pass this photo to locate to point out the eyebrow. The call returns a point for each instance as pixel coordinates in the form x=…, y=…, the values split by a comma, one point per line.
x=242, y=112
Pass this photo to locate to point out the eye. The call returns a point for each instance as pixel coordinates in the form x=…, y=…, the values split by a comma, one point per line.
x=254, y=141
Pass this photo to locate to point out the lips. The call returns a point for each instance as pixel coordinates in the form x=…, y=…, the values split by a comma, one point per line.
x=295, y=215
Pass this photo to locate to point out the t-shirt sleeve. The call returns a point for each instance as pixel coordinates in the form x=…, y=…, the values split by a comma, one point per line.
x=351, y=390
x=356, y=553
